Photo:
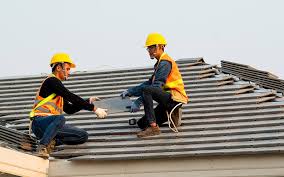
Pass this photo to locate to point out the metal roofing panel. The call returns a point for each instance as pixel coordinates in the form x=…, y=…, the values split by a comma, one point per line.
x=179, y=141
x=88, y=115
x=25, y=104
x=196, y=110
x=224, y=116
x=109, y=74
x=264, y=79
x=249, y=68
x=254, y=77
x=190, y=134
x=250, y=150
x=111, y=82
x=188, y=119
x=171, y=148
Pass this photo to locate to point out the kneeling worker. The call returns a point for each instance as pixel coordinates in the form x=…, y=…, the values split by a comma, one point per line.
x=165, y=87
x=47, y=121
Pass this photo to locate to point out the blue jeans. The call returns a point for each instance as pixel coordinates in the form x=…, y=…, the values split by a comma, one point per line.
x=54, y=127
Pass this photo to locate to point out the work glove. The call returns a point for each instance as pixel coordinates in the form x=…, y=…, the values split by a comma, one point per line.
x=94, y=98
x=101, y=113
x=134, y=107
x=124, y=94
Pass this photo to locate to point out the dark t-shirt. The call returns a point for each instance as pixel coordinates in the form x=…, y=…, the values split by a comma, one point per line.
x=72, y=102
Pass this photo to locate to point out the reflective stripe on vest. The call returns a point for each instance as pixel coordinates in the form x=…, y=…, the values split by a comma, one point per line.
x=51, y=105
x=39, y=103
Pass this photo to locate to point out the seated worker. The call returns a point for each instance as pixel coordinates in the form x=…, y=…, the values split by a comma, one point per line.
x=165, y=87
x=47, y=121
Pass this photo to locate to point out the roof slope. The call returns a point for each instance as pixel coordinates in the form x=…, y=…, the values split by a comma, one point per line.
x=225, y=115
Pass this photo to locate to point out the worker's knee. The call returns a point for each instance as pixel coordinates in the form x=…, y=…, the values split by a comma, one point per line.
x=83, y=136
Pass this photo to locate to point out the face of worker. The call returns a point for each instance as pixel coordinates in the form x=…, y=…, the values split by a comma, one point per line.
x=152, y=51
x=64, y=72
x=155, y=51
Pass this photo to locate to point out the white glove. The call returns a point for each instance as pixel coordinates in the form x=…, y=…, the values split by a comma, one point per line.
x=124, y=94
x=101, y=113
x=94, y=98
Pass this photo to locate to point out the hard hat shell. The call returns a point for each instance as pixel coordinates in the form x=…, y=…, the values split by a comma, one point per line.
x=154, y=39
x=62, y=58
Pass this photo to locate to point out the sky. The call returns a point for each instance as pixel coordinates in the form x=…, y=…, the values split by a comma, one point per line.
x=110, y=34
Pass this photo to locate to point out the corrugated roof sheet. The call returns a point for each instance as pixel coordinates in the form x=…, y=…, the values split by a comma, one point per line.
x=262, y=78
x=225, y=115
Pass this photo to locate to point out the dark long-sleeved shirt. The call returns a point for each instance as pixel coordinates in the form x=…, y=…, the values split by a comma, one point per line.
x=72, y=102
x=160, y=76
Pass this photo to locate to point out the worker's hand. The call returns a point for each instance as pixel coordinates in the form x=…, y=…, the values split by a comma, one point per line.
x=101, y=113
x=124, y=94
x=94, y=98
x=134, y=107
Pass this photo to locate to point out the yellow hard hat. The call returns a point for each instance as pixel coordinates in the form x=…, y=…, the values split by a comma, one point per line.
x=61, y=58
x=155, y=38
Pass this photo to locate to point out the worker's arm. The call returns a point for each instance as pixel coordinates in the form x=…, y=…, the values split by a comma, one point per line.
x=72, y=102
x=162, y=74
x=70, y=108
x=137, y=90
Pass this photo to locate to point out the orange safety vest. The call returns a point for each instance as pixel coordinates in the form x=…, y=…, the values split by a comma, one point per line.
x=174, y=83
x=53, y=105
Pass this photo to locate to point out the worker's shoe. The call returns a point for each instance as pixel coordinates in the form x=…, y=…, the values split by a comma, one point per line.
x=150, y=131
x=50, y=146
x=26, y=146
x=42, y=151
x=176, y=117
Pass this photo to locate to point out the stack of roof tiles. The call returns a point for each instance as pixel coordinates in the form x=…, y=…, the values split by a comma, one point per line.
x=225, y=115
x=245, y=72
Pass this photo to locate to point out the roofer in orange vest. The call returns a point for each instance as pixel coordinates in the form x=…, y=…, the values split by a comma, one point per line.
x=165, y=87
x=52, y=99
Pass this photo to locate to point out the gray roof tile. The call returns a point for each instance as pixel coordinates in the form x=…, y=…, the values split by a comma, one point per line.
x=225, y=115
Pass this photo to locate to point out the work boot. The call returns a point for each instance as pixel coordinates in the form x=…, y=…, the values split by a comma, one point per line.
x=150, y=131
x=176, y=117
x=26, y=146
x=42, y=151
x=51, y=146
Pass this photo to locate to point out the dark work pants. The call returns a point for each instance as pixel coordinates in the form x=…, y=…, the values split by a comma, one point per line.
x=54, y=127
x=157, y=115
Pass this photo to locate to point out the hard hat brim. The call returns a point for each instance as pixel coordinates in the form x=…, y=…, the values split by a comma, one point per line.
x=72, y=65
x=153, y=44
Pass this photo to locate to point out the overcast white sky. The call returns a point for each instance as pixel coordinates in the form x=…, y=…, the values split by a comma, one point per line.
x=107, y=34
